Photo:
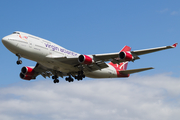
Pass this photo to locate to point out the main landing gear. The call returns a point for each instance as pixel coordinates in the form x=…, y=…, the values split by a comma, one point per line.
x=80, y=76
x=69, y=79
x=55, y=79
x=18, y=61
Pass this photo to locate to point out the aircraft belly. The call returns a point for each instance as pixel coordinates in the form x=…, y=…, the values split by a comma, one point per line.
x=109, y=72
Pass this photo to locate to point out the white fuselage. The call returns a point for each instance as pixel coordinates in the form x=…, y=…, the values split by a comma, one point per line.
x=42, y=51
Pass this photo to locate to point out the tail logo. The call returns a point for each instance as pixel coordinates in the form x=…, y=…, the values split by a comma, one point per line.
x=123, y=66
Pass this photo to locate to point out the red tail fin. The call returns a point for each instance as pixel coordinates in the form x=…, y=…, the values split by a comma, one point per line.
x=126, y=48
x=123, y=65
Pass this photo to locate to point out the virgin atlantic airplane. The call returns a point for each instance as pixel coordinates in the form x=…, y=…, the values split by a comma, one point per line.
x=56, y=61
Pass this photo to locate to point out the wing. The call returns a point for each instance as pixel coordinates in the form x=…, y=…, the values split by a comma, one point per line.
x=99, y=60
x=115, y=57
x=146, y=51
x=73, y=61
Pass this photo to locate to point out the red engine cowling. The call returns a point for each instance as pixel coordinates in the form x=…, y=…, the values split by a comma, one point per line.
x=25, y=77
x=84, y=59
x=27, y=73
x=126, y=56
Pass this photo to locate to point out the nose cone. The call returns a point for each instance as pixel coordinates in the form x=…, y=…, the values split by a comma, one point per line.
x=9, y=44
x=5, y=40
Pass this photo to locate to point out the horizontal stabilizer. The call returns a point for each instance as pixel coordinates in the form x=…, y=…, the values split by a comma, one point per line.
x=134, y=70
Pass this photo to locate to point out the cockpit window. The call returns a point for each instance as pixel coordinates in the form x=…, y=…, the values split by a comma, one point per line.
x=16, y=33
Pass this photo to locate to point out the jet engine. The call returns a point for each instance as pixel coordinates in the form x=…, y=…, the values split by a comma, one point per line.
x=126, y=56
x=84, y=59
x=27, y=73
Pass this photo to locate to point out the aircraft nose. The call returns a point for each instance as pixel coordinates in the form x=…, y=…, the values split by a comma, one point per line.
x=5, y=40
x=9, y=43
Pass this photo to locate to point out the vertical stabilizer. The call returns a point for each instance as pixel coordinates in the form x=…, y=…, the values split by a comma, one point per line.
x=123, y=65
x=126, y=48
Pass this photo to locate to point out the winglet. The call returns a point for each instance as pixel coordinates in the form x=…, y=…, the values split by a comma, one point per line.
x=174, y=45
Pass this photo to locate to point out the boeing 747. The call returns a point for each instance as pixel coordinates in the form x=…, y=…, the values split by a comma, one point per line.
x=56, y=61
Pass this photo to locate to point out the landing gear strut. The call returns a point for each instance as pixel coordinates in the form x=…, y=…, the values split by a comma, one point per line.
x=55, y=79
x=80, y=75
x=19, y=61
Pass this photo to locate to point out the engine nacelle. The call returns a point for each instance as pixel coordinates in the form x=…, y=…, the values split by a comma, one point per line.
x=27, y=73
x=27, y=70
x=84, y=59
x=127, y=56
x=25, y=77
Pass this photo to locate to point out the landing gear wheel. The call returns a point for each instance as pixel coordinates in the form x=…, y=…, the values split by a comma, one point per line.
x=56, y=81
x=69, y=79
x=54, y=77
x=80, y=75
x=19, y=62
x=83, y=76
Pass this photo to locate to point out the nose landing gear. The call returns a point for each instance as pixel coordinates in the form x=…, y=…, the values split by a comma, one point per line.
x=18, y=61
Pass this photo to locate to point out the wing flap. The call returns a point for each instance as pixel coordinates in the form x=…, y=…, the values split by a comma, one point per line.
x=106, y=56
x=134, y=70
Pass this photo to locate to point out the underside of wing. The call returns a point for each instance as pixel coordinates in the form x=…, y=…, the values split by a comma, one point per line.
x=74, y=62
x=46, y=72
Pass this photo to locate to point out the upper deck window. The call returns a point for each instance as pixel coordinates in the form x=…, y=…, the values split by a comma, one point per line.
x=16, y=33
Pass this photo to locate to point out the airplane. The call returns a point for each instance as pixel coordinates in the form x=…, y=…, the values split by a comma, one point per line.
x=56, y=61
